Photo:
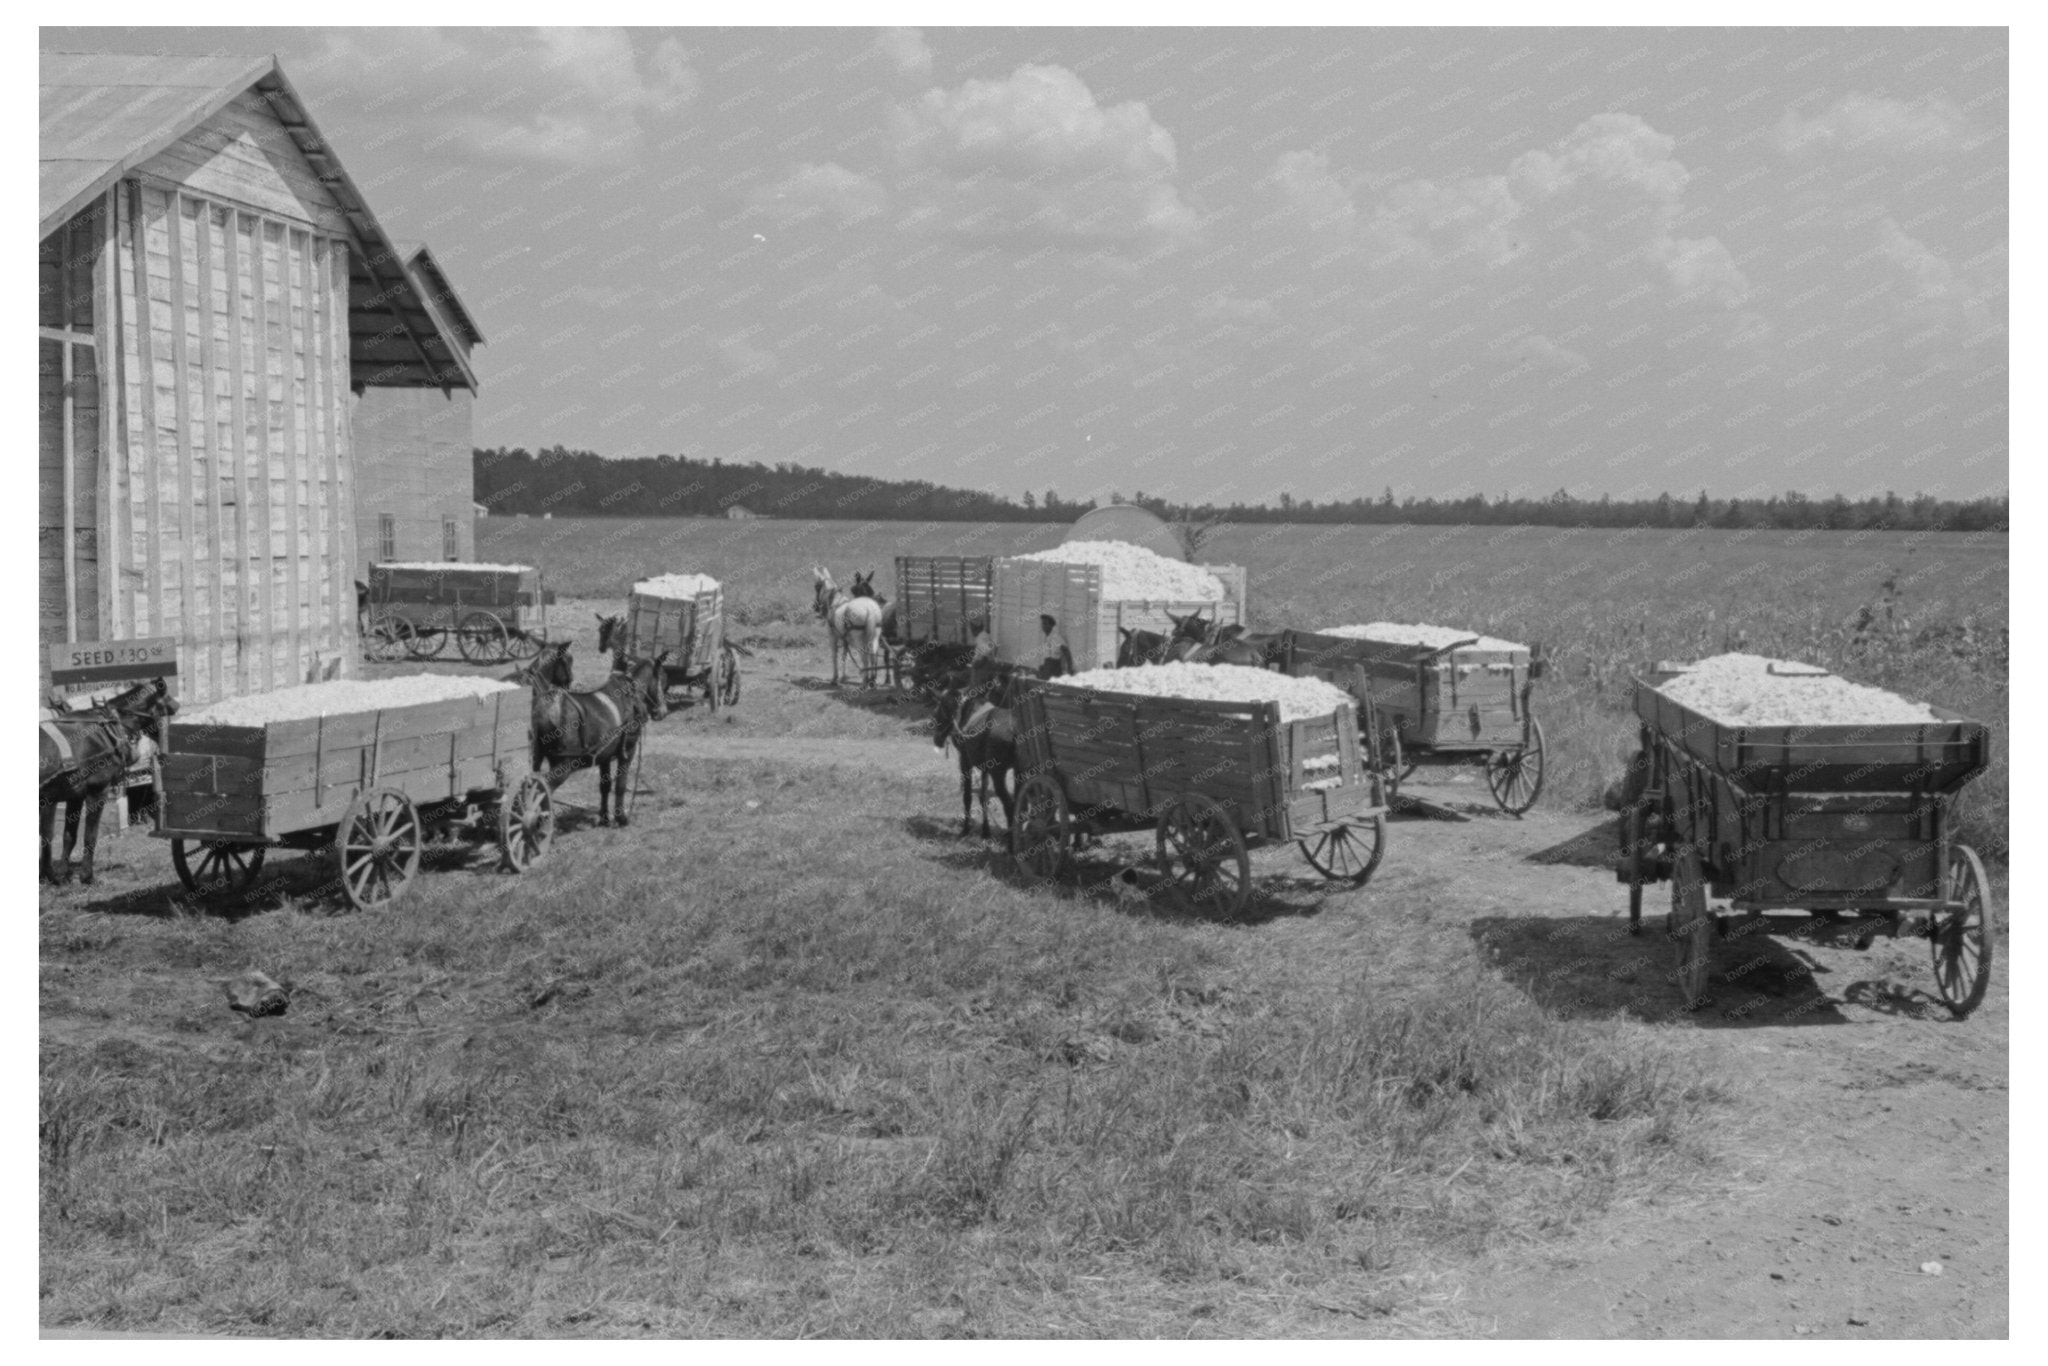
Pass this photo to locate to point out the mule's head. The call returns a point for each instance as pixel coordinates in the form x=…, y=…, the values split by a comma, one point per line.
x=863, y=584
x=823, y=591
x=611, y=632
x=553, y=666
x=144, y=707
x=650, y=684
x=945, y=715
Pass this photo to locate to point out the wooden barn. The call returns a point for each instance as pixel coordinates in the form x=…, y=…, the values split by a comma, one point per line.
x=415, y=470
x=214, y=296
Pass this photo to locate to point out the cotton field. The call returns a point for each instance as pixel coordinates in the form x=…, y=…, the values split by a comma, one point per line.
x=1739, y=689
x=1131, y=573
x=1415, y=633
x=683, y=586
x=340, y=697
x=1300, y=698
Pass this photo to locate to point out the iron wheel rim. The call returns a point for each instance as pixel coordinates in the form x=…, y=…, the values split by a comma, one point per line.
x=1038, y=830
x=1203, y=854
x=1959, y=937
x=1691, y=928
x=1334, y=852
x=378, y=848
x=1516, y=776
x=481, y=639
x=222, y=865
x=526, y=824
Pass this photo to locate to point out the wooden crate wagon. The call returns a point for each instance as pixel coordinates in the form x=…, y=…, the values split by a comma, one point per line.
x=1210, y=778
x=692, y=630
x=938, y=600
x=1451, y=705
x=369, y=786
x=1846, y=823
x=493, y=613
x=1092, y=622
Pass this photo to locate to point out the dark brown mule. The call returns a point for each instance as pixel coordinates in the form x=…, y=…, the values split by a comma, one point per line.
x=83, y=754
x=573, y=729
x=1140, y=647
x=985, y=737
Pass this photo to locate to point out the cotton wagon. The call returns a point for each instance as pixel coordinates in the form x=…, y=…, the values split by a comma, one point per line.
x=1845, y=817
x=362, y=770
x=493, y=612
x=1096, y=591
x=1212, y=778
x=1432, y=695
x=683, y=614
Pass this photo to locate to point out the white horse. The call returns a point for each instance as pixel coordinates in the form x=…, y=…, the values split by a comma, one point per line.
x=846, y=617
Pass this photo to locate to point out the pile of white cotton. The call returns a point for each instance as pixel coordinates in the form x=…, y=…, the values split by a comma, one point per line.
x=1131, y=573
x=340, y=697
x=1299, y=698
x=1741, y=690
x=1415, y=633
x=683, y=586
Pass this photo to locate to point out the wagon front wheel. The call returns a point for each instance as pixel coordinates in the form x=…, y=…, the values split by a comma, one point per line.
x=1039, y=829
x=216, y=865
x=390, y=639
x=1690, y=927
x=377, y=847
x=1960, y=934
x=1203, y=854
x=481, y=638
x=526, y=824
x=1516, y=776
x=1347, y=853
x=525, y=644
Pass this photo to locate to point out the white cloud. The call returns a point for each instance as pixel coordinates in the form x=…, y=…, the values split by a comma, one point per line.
x=1934, y=292
x=1544, y=351
x=1612, y=149
x=745, y=358
x=813, y=190
x=1034, y=156
x=1699, y=267
x=1871, y=125
x=907, y=49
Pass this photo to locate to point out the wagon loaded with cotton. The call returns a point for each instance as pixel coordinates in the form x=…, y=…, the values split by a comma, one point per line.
x=364, y=771
x=1779, y=787
x=1436, y=695
x=684, y=614
x=1115, y=750
x=492, y=612
x=1096, y=591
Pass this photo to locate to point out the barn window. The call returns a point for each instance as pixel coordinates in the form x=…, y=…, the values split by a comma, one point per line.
x=449, y=549
x=387, y=537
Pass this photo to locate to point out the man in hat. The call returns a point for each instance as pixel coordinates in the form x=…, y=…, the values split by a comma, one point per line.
x=1057, y=659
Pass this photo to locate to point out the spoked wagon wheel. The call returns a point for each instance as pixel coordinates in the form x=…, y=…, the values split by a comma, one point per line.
x=1960, y=934
x=390, y=639
x=526, y=823
x=1347, y=853
x=1690, y=927
x=525, y=644
x=1516, y=776
x=728, y=675
x=481, y=638
x=216, y=865
x=427, y=643
x=1040, y=828
x=377, y=847
x=1203, y=854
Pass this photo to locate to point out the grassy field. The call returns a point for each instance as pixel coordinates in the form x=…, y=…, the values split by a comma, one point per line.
x=789, y=1057
x=1602, y=603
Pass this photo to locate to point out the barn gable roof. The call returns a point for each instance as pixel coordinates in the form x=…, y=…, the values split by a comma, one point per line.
x=439, y=294
x=104, y=114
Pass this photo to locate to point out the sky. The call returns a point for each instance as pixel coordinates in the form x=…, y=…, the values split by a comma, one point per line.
x=1208, y=264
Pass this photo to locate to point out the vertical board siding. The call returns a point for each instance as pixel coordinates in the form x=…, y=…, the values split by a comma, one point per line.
x=414, y=459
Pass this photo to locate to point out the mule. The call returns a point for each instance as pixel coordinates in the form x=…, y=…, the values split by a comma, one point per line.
x=984, y=735
x=83, y=754
x=1140, y=647
x=601, y=726
x=846, y=616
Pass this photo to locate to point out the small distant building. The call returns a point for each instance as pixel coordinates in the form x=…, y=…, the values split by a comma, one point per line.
x=481, y=510
x=736, y=513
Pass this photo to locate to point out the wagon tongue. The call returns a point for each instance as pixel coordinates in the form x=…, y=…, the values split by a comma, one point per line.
x=1454, y=645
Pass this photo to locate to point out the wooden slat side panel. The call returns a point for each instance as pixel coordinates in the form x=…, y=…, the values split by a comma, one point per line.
x=244, y=156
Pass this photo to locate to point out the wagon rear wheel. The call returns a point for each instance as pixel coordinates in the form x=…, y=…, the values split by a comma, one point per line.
x=377, y=847
x=216, y=865
x=1040, y=827
x=1959, y=936
x=728, y=675
x=526, y=824
x=1203, y=854
x=390, y=639
x=1690, y=927
x=1347, y=853
x=482, y=639
x=426, y=644
x=525, y=644
x=1516, y=776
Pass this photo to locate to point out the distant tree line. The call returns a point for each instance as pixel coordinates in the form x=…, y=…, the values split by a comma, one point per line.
x=584, y=484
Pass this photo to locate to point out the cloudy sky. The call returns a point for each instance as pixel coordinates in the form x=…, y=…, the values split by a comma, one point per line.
x=1209, y=263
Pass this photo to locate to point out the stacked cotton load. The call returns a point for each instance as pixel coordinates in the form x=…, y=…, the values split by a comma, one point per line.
x=685, y=587
x=1741, y=690
x=453, y=564
x=1300, y=699
x=1435, y=637
x=341, y=697
x=1131, y=573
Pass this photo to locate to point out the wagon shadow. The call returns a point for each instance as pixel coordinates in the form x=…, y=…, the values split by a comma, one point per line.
x=1104, y=874
x=1592, y=967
